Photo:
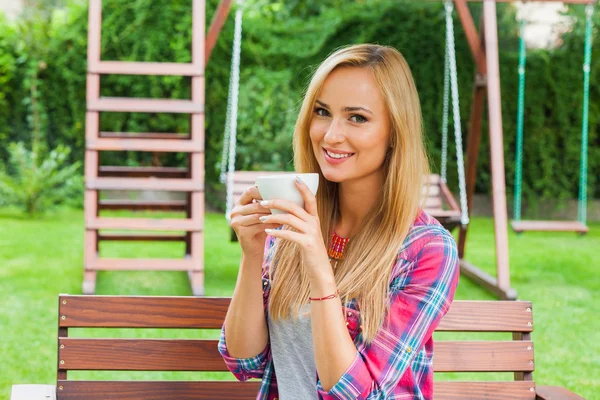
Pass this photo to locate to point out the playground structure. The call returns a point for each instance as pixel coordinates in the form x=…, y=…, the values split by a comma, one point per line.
x=188, y=180
x=483, y=46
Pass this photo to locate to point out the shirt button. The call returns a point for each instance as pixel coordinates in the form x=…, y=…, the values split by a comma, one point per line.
x=347, y=323
x=409, y=349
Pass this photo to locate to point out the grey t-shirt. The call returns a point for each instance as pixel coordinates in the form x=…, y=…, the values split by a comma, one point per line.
x=293, y=357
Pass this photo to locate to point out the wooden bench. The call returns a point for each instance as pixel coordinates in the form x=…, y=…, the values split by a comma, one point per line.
x=147, y=354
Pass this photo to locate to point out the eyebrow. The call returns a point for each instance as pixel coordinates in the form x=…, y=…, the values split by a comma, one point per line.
x=346, y=108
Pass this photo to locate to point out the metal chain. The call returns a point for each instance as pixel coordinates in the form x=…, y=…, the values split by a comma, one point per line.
x=464, y=219
x=582, y=205
x=445, y=114
x=520, y=122
x=233, y=108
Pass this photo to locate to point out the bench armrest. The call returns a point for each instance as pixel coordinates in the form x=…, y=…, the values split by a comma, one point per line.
x=33, y=392
x=555, y=393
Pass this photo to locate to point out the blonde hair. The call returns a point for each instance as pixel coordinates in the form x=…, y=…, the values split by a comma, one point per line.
x=364, y=273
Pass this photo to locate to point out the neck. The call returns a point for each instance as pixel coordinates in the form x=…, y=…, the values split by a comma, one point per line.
x=356, y=198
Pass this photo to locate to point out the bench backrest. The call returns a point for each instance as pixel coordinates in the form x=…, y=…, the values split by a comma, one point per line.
x=147, y=354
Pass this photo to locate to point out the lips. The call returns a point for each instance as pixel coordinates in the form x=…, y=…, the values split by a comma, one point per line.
x=336, y=161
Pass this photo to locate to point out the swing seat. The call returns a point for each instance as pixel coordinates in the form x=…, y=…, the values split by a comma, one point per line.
x=549, y=226
x=440, y=202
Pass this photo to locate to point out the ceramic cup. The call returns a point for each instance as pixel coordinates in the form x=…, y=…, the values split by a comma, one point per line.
x=283, y=186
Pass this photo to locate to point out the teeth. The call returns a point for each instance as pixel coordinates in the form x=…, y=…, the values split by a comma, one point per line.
x=332, y=155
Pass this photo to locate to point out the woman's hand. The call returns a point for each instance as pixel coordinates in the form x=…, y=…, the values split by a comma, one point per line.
x=246, y=224
x=307, y=234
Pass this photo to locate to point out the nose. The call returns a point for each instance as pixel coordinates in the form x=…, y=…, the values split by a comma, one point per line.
x=335, y=133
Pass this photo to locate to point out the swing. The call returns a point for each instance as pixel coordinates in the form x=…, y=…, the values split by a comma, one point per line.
x=439, y=201
x=579, y=225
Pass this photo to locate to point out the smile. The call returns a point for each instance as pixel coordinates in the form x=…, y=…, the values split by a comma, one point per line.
x=334, y=158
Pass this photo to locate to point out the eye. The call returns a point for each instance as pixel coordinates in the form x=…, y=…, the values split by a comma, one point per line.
x=358, y=118
x=321, y=112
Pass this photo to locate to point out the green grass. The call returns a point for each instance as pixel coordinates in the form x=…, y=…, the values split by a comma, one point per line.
x=41, y=258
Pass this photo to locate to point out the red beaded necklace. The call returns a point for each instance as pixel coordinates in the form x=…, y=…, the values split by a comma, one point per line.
x=337, y=245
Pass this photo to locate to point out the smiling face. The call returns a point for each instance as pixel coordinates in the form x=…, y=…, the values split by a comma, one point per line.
x=350, y=125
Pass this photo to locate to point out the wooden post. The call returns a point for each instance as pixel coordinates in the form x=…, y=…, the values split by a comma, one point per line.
x=496, y=144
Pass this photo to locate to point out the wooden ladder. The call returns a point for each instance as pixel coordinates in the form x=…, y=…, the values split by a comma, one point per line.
x=109, y=178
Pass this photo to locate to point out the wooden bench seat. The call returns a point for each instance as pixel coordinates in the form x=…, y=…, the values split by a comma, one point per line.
x=160, y=354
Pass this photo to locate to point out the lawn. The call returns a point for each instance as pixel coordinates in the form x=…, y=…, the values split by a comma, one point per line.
x=41, y=258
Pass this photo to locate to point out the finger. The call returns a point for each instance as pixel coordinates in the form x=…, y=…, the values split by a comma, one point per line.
x=285, y=219
x=252, y=208
x=310, y=201
x=251, y=193
x=287, y=206
x=253, y=219
x=285, y=234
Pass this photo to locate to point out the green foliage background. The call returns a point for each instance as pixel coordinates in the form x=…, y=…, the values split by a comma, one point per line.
x=283, y=42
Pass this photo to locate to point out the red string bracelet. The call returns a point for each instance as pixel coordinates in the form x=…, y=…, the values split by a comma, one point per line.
x=331, y=296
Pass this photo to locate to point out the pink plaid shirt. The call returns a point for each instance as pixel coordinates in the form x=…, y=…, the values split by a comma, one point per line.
x=399, y=362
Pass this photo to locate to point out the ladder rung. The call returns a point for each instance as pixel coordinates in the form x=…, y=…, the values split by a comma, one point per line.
x=148, y=224
x=158, y=145
x=123, y=104
x=145, y=264
x=143, y=172
x=549, y=226
x=178, y=185
x=145, y=135
x=145, y=68
x=165, y=205
x=141, y=237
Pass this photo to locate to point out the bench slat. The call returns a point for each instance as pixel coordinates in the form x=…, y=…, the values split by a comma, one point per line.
x=488, y=316
x=142, y=172
x=209, y=312
x=139, y=355
x=518, y=390
x=483, y=356
x=141, y=390
x=143, y=312
x=202, y=355
x=138, y=390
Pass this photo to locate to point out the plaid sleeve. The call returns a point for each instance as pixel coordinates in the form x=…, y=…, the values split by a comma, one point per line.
x=252, y=367
x=420, y=296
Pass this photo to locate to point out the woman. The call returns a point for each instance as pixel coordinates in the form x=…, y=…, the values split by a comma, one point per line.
x=353, y=284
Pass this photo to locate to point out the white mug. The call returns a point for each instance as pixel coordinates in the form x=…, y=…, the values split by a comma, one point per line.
x=283, y=186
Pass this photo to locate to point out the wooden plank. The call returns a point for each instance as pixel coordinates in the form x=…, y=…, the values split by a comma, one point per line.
x=151, y=224
x=198, y=39
x=136, y=205
x=143, y=311
x=215, y=27
x=143, y=172
x=496, y=146
x=549, y=226
x=178, y=185
x=484, y=390
x=145, y=68
x=448, y=197
x=137, y=144
x=123, y=104
x=156, y=390
x=437, y=213
x=434, y=203
x=470, y=356
x=142, y=264
x=94, y=31
x=209, y=312
x=139, y=355
x=470, y=30
x=141, y=237
x=145, y=135
x=485, y=280
x=488, y=316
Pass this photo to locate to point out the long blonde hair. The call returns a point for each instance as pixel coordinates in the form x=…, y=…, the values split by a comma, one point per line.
x=365, y=272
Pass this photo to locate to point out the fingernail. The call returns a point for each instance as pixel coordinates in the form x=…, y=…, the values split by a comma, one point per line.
x=264, y=203
x=263, y=219
x=268, y=230
x=299, y=180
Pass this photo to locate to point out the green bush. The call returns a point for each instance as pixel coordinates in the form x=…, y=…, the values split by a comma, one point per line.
x=282, y=42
